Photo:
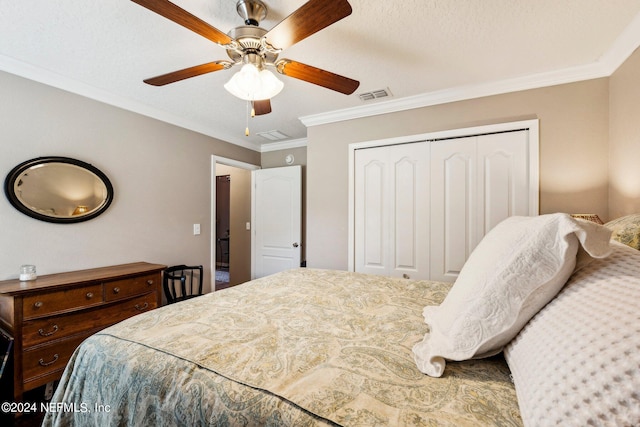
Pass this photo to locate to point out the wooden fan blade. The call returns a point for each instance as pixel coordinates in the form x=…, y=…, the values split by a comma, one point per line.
x=176, y=76
x=182, y=17
x=261, y=107
x=310, y=18
x=317, y=76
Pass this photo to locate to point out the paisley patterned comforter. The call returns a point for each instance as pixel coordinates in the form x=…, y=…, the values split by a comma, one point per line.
x=300, y=348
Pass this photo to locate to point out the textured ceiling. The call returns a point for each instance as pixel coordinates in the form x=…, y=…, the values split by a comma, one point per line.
x=105, y=49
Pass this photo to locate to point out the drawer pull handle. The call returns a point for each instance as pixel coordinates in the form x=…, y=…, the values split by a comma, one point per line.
x=38, y=304
x=149, y=282
x=141, y=307
x=89, y=295
x=116, y=290
x=48, y=334
x=43, y=363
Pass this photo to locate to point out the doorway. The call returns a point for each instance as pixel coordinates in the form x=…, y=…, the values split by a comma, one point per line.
x=223, y=228
x=231, y=224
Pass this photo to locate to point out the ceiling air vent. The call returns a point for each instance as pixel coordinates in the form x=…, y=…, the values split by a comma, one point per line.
x=273, y=135
x=375, y=94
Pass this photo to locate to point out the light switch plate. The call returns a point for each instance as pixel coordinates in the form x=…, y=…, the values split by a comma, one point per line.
x=196, y=229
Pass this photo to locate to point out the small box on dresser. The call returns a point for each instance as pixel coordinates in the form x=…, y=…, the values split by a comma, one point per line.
x=50, y=316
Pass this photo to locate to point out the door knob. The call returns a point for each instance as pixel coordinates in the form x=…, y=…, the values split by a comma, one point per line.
x=295, y=245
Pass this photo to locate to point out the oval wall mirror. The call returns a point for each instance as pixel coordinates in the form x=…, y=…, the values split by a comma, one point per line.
x=58, y=189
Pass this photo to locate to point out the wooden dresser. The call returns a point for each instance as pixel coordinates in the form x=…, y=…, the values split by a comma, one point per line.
x=50, y=316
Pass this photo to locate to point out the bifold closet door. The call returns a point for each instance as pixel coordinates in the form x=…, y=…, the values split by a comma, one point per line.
x=503, y=170
x=392, y=210
x=454, y=206
x=476, y=182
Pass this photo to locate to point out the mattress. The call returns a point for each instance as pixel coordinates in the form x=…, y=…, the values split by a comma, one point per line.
x=304, y=347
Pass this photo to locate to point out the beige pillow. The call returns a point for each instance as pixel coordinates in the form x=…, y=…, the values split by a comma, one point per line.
x=626, y=230
x=519, y=266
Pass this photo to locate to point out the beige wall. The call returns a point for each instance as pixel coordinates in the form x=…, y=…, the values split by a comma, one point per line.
x=624, y=143
x=239, y=215
x=573, y=154
x=589, y=142
x=161, y=175
x=275, y=159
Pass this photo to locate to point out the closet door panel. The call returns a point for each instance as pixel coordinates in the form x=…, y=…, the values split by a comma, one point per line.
x=410, y=211
x=372, y=208
x=392, y=210
x=502, y=169
x=453, y=205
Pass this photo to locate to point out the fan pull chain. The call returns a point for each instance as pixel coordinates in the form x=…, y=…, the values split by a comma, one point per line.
x=252, y=114
x=246, y=131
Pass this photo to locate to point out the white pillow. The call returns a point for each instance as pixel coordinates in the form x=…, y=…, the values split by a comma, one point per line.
x=577, y=361
x=519, y=266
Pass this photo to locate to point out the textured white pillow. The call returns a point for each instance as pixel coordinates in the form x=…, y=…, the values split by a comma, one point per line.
x=577, y=361
x=519, y=266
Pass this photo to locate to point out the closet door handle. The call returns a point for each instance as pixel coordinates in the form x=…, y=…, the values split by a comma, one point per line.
x=295, y=245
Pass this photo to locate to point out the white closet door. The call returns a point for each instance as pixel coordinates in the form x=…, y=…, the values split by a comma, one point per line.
x=447, y=194
x=454, y=200
x=503, y=175
x=372, y=193
x=391, y=210
x=476, y=182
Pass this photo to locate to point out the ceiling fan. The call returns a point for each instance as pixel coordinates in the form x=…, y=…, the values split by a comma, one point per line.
x=257, y=48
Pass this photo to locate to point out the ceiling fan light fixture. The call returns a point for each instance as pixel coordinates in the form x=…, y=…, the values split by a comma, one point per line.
x=252, y=44
x=253, y=85
x=270, y=84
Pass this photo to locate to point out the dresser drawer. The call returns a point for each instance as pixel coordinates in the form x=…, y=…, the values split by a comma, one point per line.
x=61, y=301
x=50, y=316
x=39, y=331
x=139, y=305
x=125, y=288
x=44, y=360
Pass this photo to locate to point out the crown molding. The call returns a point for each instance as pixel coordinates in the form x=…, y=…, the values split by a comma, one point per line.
x=283, y=145
x=622, y=47
x=461, y=93
x=605, y=66
x=49, y=78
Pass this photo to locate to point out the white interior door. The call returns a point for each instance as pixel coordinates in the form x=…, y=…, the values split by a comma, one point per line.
x=392, y=210
x=475, y=178
x=476, y=182
x=504, y=175
x=277, y=219
x=453, y=206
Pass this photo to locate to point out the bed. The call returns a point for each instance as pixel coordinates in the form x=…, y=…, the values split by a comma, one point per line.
x=310, y=347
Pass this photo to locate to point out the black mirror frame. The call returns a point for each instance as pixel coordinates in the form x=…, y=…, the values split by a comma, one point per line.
x=18, y=170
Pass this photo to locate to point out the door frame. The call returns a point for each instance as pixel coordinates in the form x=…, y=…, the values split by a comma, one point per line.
x=212, y=215
x=534, y=163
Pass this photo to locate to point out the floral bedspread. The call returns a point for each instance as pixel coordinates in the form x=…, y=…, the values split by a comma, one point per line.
x=304, y=347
